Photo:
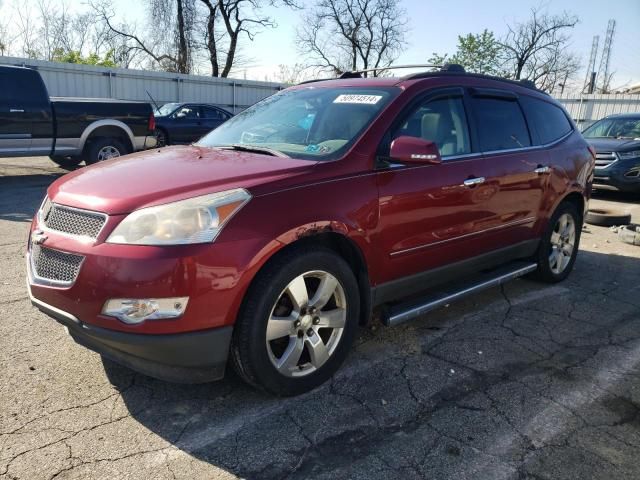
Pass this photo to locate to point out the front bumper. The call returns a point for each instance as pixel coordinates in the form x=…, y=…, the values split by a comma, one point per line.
x=622, y=175
x=194, y=357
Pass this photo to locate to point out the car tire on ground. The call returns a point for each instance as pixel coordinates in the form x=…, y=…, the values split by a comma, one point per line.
x=68, y=163
x=605, y=217
x=297, y=323
x=559, y=244
x=104, y=148
x=162, y=137
x=630, y=234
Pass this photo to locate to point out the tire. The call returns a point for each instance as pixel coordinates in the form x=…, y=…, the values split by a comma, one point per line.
x=104, y=148
x=554, y=265
x=630, y=234
x=605, y=217
x=256, y=358
x=162, y=137
x=68, y=163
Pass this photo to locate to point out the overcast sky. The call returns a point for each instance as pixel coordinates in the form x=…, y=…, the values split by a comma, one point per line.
x=435, y=25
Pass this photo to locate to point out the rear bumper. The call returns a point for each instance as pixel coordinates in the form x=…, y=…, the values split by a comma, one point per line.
x=194, y=357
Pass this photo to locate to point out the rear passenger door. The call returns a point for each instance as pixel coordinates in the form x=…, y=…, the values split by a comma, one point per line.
x=212, y=118
x=512, y=166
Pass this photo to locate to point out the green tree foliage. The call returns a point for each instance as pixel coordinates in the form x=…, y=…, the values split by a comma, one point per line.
x=73, y=56
x=477, y=53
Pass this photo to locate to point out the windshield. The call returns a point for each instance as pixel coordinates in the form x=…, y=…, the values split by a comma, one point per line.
x=310, y=123
x=166, y=109
x=614, y=128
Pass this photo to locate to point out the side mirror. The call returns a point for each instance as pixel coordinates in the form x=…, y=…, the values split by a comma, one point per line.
x=181, y=115
x=414, y=150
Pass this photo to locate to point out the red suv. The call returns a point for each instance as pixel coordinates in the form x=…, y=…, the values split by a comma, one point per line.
x=275, y=235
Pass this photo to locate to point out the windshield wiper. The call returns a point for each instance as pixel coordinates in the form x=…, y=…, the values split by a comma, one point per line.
x=254, y=149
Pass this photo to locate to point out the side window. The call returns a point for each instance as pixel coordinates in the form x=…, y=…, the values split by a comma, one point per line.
x=188, y=112
x=442, y=121
x=213, y=114
x=550, y=121
x=22, y=87
x=501, y=124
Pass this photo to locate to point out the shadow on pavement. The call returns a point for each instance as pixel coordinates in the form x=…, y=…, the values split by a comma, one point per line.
x=527, y=381
x=21, y=195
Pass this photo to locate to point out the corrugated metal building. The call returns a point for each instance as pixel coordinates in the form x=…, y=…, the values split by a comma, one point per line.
x=586, y=109
x=71, y=80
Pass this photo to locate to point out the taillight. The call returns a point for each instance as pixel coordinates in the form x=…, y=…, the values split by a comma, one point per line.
x=592, y=151
x=152, y=123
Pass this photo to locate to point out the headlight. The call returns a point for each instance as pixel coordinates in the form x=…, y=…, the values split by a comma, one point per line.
x=628, y=155
x=196, y=220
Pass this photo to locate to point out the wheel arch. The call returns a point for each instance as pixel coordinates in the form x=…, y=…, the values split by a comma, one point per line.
x=107, y=128
x=576, y=198
x=334, y=239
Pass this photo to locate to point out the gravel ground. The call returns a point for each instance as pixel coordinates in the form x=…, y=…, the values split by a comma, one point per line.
x=526, y=381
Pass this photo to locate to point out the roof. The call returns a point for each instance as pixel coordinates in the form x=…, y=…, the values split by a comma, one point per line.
x=353, y=79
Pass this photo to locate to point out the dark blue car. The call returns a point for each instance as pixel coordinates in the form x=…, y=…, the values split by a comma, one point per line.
x=178, y=123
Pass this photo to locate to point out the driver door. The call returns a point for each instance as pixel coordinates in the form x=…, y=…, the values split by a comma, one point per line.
x=430, y=214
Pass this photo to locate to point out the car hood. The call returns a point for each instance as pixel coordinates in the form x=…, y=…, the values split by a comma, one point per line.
x=613, y=144
x=154, y=177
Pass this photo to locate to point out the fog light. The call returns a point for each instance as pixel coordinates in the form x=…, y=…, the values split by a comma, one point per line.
x=137, y=310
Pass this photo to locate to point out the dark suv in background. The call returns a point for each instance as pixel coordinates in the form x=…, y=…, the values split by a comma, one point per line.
x=616, y=139
x=275, y=235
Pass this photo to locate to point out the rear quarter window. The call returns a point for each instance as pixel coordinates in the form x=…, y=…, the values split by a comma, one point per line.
x=549, y=121
x=500, y=124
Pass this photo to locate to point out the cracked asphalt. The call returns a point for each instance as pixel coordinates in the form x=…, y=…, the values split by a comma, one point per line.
x=528, y=381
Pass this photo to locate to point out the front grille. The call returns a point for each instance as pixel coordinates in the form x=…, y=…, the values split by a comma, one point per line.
x=72, y=221
x=604, y=159
x=55, y=266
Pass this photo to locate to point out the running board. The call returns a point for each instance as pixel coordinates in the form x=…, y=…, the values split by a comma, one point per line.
x=403, y=312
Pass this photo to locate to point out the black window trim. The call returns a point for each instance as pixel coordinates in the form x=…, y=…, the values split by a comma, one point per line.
x=532, y=128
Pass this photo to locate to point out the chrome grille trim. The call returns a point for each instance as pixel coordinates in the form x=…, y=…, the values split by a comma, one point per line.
x=71, y=221
x=53, y=267
x=604, y=159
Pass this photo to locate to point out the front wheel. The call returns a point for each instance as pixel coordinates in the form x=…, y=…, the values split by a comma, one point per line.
x=559, y=245
x=297, y=323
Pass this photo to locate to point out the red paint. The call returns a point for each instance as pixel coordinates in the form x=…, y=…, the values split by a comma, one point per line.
x=403, y=220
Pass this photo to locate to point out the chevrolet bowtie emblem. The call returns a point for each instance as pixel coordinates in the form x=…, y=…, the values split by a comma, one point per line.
x=38, y=237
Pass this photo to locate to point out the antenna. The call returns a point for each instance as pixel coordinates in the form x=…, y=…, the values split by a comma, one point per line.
x=606, y=56
x=589, y=83
x=154, y=102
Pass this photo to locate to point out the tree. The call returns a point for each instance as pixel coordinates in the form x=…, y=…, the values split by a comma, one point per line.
x=238, y=17
x=477, y=53
x=76, y=57
x=171, y=52
x=537, y=50
x=343, y=35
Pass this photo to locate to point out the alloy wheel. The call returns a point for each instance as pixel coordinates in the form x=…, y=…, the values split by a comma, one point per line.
x=563, y=240
x=107, y=152
x=306, y=323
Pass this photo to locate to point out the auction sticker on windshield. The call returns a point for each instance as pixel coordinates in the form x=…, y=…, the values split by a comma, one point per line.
x=361, y=99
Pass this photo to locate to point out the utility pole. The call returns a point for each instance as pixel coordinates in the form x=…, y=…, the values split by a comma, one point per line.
x=603, y=71
x=589, y=85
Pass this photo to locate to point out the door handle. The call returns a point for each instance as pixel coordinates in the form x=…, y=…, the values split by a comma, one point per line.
x=470, y=182
x=16, y=110
x=542, y=169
